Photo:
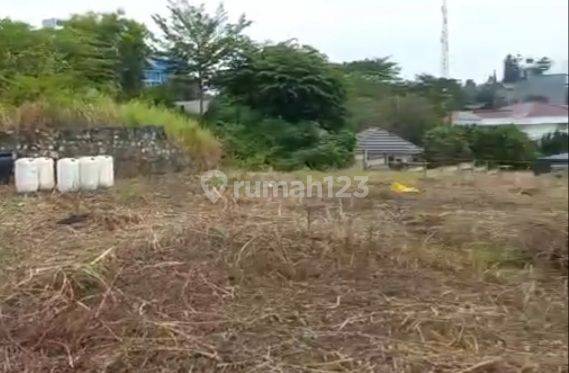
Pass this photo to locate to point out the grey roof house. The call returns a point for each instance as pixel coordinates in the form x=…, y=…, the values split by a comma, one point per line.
x=378, y=147
x=553, y=163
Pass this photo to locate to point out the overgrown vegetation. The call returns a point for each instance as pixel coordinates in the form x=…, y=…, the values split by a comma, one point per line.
x=66, y=110
x=554, y=143
x=282, y=105
x=106, y=52
x=506, y=145
x=86, y=73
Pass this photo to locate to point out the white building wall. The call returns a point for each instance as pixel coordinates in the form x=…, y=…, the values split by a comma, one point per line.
x=537, y=131
x=535, y=128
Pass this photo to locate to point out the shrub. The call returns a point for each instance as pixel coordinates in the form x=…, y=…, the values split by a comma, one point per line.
x=554, y=143
x=501, y=145
x=447, y=145
x=333, y=150
x=497, y=145
x=254, y=141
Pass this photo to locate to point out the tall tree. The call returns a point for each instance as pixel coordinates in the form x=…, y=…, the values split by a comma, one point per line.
x=24, y=50
x=554, y=143
x=112, y=48
x=512, y=69
x=377, y=69
x=446, y=95
x=409, y=116
x=202, y=44
x=290, y=81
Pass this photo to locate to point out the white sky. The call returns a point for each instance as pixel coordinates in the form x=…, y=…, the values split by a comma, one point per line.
x=482, y=32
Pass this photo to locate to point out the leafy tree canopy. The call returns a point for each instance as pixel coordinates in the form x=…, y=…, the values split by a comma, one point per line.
x=377, y=69
x=497, y=145
x=103, y=51
x=447, y=145
x=554, y=143
x=203, y=44
x=290, y=81
x=107, y=48
x=445, y=94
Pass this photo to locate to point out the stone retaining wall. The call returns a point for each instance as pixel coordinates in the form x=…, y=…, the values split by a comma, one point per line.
x=137, y=151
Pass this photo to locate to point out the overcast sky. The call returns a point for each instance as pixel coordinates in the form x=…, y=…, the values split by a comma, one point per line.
x=482, y=32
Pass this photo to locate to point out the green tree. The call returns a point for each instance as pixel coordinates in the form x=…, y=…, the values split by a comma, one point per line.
x=24, y=51
x=409, y=116
x=106, y=48
x=377, y=69
x=512, y=69
x=201, y=43
x=30, y=63
x=501, y=145
x=369, y=83
x=497, y=145
x=447, y=145
x=446, y=95
x=554, y=143
x=289, y=81
x=102, y=51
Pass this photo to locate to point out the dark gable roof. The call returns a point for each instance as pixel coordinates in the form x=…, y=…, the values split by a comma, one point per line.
x=380, y=141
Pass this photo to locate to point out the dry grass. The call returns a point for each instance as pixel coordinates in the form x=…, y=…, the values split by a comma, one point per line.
x=61, y=111
x=468, y=276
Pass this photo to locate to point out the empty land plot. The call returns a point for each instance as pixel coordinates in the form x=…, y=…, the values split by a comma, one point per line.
x=469, y=275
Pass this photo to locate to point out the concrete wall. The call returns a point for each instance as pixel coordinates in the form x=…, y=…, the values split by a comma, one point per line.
x=137, y=151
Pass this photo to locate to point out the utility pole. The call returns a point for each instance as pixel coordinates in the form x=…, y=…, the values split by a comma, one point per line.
x=445, y=68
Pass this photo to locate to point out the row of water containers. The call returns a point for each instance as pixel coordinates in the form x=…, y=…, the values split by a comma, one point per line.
x=85, y=173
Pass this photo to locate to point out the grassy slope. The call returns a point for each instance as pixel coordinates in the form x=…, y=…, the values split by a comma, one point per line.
x=68, y=111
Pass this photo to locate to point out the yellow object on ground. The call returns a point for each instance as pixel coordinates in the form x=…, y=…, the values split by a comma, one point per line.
x=400, y=188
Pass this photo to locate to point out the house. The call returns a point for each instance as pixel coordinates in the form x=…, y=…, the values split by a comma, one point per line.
x=377, y=147
x=536, y=119
x=193, y=106
x=554, y=163
x=53, y=23
x=157, y=72
x=548, y=88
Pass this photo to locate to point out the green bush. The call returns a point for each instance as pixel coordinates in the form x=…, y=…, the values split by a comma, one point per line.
x=501, y=145
x=447, y=145
x=495, y=145
x=254, y=141
x=554, y=143
x=333, y=150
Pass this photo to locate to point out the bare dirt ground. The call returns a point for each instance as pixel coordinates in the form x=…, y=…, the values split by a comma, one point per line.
x=470, y=275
